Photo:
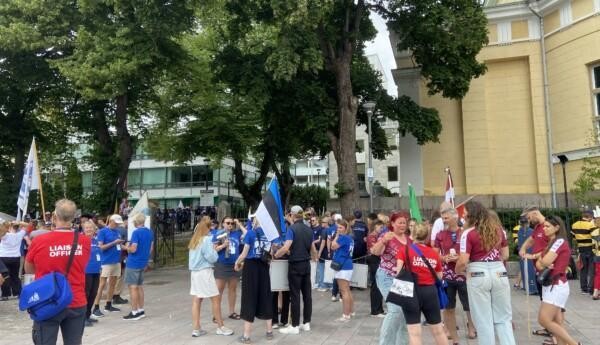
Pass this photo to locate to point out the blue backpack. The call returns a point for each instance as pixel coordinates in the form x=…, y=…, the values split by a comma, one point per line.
x=47, y=296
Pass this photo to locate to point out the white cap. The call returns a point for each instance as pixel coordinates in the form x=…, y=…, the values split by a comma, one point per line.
x=296, y=209
x=116, y=218
x=337, y=217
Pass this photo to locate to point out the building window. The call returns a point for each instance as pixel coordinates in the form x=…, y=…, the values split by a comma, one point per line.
x=596, y=95
x=154, y=177
x=134, y=178
x=504, y=32
x=201, y=174
x=392, y=174
x=565, y=14
x=360, y=146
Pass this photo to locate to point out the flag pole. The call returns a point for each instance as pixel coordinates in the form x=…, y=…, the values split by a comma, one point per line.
x=39, y=176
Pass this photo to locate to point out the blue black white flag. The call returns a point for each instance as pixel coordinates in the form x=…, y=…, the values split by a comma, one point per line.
x=270, y=212
x=31, y=181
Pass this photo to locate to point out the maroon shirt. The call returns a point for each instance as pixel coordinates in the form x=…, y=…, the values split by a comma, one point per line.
x=470, y=242
x=563, y=252
x=446, y=241
x=388, y=257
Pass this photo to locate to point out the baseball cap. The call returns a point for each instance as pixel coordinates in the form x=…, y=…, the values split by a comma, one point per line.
x=116, y=218
x=296, y=209
x=523, y=219
x=337, y=217
x=357, y=214
x=588, y=212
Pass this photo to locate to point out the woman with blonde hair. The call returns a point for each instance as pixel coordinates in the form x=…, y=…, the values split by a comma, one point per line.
x=202, y=257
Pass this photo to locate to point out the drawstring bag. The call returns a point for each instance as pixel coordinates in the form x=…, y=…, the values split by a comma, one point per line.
x=47, y=296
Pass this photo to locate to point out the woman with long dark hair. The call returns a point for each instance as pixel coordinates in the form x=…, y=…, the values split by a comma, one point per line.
x=393, y=328
x=553, y=263
x=483, y=248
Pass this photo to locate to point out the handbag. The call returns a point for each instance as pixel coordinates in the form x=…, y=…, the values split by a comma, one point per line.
x=337, y=266
x=265, y=255
x=50, y=294
x=439, y=284
x=402, y=291
x=544, y=278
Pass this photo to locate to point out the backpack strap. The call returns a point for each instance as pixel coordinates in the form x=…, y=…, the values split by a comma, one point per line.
x=72, y=253
x=418, y=251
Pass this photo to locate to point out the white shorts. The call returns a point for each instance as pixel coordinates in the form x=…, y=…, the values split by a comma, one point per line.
x=344, y=275
x=556, y=295
x=203, y=283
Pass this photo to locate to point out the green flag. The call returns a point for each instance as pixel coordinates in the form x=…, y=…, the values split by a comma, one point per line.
x=413, y=204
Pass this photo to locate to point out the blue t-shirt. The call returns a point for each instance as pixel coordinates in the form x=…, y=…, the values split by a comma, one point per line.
x=93, y=266
x=331, y=231
x=258, y=242
x=317, y=230
x=143, y=237
x=343, y=254
x=233, y=252
x=111, y=255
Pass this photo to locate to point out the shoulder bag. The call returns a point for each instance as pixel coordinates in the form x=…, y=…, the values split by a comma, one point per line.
x=50, y=294
x=402, y=291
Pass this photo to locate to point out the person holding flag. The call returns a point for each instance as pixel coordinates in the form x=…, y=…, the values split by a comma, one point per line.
x=256, y=281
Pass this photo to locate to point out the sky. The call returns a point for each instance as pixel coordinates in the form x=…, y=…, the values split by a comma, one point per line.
x=382, y=47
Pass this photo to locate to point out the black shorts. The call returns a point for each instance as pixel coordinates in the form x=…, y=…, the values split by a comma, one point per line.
x=257, y=299
x=459, y=288
x=427, y=302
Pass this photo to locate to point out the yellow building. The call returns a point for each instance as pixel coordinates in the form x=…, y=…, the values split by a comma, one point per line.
x=501, y=138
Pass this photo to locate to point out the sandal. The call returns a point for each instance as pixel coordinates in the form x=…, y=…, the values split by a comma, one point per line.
x=270, y=335
x=542, y=332
x=234, y=316
x=214, y=319
x=549, y=341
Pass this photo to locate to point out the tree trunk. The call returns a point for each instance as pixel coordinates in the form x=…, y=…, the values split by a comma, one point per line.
x=252, y=194
x=344, y=145
x=286, y=181
x=125, y=145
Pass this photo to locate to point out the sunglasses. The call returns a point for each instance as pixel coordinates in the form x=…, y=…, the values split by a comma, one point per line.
x=227, y=223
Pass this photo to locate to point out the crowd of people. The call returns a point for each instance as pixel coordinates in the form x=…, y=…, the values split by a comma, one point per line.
x=452, y=258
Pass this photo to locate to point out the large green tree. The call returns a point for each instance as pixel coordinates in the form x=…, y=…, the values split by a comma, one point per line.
x=317, y=35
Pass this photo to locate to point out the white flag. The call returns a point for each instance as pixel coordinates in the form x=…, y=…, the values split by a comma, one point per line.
x=31, y=181
x=140, y=206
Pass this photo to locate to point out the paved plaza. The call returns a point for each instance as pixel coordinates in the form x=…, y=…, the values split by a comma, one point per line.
x=169, y=320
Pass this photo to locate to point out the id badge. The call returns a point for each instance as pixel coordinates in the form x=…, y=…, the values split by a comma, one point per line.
x=98, y=257
x=403, y=288
x=118, y=247
x=231, y=248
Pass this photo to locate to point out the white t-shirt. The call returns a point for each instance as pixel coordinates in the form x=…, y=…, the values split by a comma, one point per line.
x=10, y=244
x=438, y=226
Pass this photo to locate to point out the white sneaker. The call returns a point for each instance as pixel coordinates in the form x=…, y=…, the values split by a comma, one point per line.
x=305, y=327
x=275, y=326
x=322, y=289
x=290, y=330
x=224, y=331
x=334, y=299
x=353, y=314
x=344, y=318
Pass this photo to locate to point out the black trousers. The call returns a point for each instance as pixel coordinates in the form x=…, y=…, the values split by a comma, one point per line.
x=92, y=280
x=586, y=276
x=12, y=286
x=299, y=281
x=71, y=323
x=376, y=298
x=285, y=307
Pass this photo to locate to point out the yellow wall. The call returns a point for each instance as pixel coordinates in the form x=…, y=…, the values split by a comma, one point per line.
x=449, y=151
x=573, y=170
x=492, y=33
x=569, y=54
x=520, y=29
x=581, y=8
x=551, y=22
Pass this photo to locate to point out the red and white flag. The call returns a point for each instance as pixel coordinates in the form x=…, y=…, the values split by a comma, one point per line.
x=449, y=188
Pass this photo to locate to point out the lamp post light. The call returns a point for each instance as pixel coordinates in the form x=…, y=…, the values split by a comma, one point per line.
x=318, y=177
x=369, y=107
x=206, y=161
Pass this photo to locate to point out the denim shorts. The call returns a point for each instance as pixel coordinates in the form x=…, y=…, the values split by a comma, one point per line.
x=134, y=276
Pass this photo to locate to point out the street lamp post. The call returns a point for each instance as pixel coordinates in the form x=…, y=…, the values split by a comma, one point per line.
x=206, y=160
x=318, y=177
x=369, y=107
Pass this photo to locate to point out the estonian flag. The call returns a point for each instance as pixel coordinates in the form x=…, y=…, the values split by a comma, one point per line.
x=270, y=212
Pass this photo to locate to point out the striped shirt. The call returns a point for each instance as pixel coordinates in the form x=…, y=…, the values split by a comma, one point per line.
x=582, y=231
